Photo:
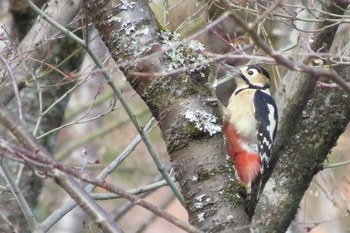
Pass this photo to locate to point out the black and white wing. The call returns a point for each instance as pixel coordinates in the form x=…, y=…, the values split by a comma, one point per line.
x=266, y=117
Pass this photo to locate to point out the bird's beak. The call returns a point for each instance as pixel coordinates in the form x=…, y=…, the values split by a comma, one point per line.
x=225, y=86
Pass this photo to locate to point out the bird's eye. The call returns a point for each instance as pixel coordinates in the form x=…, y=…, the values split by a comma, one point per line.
x=251, y=72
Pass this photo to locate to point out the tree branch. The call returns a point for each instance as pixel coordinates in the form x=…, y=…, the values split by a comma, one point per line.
x=131, y=32
x=35, y=43
x=62, y=175
x=66, y=182
x=303, y=148
x=24, y=62
x=118, y=93
x=300, y=153
x=324, y=119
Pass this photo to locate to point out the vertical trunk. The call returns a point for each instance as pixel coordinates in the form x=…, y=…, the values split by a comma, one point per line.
x=189, y=126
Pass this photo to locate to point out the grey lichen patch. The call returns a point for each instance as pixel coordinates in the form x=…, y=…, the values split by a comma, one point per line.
x=191, y=124
x=125, y=41
x=203, y=121
x=125, y=5
x=271, y=195
x=129, y=39
x=201, y=217
x=200, y=202
x=112, y=19
x=184, y=55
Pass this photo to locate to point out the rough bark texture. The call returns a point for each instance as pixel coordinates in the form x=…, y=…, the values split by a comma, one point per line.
x=131, y=31
x=52, y=88
x=307, y=134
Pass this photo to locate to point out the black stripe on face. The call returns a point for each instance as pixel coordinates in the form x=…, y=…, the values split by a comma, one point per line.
x=260, y=70
x=245, y=79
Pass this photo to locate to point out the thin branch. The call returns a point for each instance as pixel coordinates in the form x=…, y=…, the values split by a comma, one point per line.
x=333, y=165
x=109, y=79
x=81, y=82
x=81, y=121
x=66, y=182
x=64, y=152
x=264, y=15
x=124, y=208
x=213, y=58
x=58, y=214
x=342, y=18
x=38, y=122
x=152, y=218
x=82, y=108
x=15, y=87
x=136, y=191
x=61, y=173
x=280, y=59
x=9, y=223
x=27, y=211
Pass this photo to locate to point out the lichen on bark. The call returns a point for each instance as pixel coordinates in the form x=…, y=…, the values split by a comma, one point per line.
x=193, y=152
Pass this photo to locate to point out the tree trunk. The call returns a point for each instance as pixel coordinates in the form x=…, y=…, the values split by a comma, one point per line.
x=178, y=102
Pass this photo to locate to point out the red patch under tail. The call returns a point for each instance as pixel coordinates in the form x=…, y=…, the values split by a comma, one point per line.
x=247, y=164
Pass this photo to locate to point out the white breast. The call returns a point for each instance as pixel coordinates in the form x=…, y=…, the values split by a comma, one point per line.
x=241, y=114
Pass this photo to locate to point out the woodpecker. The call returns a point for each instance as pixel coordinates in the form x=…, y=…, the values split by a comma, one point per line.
x=250, y=124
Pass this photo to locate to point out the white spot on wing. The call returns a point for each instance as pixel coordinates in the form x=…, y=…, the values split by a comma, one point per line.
x=266, y=141
x=272, y=120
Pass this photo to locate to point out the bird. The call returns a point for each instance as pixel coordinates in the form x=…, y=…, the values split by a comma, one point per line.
x=250, y=125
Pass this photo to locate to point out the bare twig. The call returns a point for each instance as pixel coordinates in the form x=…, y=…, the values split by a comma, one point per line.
x=66, y=182
x=118, y=93
x=58, y=214
x=62, y=174
x=152, y=218
x=36, y=38
x=278, y=15
x=282, y=60
x=64, y=152
x=27, y=211
x=136, y=191
x=264, y=15
x=15, y=87
x=8, y=222
x=124, y=208
x=333, y=165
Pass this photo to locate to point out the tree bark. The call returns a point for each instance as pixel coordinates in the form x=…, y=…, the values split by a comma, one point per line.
x=306, y=134
x=131, y=32
x=178, y=102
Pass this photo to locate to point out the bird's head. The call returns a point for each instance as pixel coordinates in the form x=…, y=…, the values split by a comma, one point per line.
x=253, y=76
